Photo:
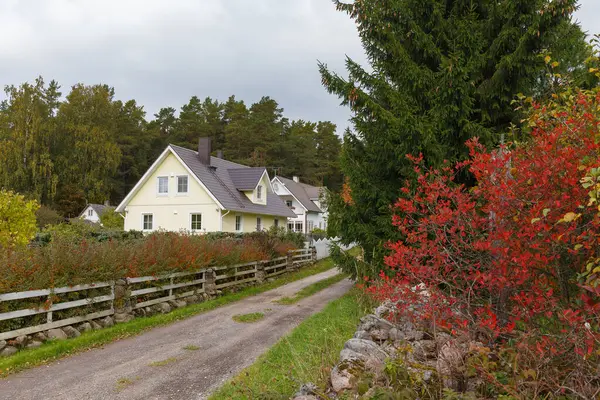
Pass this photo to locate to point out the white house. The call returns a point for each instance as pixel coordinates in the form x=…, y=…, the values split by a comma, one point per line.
x=185, y=190
x=305, y=201
x=93, y=212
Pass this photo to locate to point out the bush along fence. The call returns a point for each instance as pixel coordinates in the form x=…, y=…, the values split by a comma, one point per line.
x=66, y=312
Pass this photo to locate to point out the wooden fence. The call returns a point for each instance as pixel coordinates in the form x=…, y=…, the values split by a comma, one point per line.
x=40, y=314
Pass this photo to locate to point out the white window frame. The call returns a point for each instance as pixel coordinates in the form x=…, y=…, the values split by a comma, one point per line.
x=290, y=226
x=259, y=224
x=259, y=193
x=241, y=227
x=187, y=186
x=311, y=226
x=143, y=222
x=90, y=212
x=158, y=178
x=191, y=220
x=291, y=203
x=296, y=227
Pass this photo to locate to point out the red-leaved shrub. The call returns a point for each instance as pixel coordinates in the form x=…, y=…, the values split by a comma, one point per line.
x=67, y=262
x=512, y=262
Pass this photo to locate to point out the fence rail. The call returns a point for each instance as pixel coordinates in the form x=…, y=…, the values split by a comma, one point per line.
x=142, y=292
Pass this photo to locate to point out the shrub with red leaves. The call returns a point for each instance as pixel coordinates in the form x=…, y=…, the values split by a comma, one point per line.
x=67, y=262
x=512, y=262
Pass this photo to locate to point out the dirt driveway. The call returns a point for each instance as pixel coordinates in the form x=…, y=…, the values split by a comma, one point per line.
x=155, y=365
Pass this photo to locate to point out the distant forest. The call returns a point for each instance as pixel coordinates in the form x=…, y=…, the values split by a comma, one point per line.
x=87, y=147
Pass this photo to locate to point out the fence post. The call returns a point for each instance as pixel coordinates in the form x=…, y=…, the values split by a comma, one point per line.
x=290, y=261
x=313, y=253
x=210, y=286
x=122, y=301
x=260, y=272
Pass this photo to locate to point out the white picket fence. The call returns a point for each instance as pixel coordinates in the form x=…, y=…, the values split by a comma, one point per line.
x=145, y=291
x=323, y=246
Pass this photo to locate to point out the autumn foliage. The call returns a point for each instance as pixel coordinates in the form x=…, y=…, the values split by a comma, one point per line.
x=68, y=262
x=513, y=262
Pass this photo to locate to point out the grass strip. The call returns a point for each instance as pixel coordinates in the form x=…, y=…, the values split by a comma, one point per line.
x=53, y=350
x=248, y=318
x=311, y=289
x=162, y=363
x=307, y=354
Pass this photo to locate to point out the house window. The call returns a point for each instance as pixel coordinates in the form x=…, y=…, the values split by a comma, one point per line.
x=299, y=227
x=259, y=192
x=291, y=226
x=275, y=186
x=90, y=212
x=320, y=224
x=163, y=185
x=182, y=184
x=288, y=203
x=276, y=223
x=258, y=224
x=311, y=226
x=238, y=223
x=147, y=222
x=196, y=222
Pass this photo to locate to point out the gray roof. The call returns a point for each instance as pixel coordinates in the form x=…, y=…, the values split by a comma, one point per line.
x=246, y=178
x=220, y=184
x=99, y=208
x=303, y=193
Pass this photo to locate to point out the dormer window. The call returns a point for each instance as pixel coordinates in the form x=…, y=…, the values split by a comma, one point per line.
x=259, y=192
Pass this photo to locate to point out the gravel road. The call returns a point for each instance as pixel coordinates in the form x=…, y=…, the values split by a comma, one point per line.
x=155, y=365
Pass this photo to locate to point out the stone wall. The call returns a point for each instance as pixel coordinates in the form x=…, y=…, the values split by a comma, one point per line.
x=427, y=358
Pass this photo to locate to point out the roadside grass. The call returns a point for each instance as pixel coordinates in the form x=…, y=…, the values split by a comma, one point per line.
x=162, y=363
x=122, y=383
x=53, y=350
x=191, y=347
x=307, y=354
x=311, y=289
x=248, y=318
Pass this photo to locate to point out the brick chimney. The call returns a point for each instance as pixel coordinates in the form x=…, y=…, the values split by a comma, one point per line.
x=296, y=179
x=204, y=150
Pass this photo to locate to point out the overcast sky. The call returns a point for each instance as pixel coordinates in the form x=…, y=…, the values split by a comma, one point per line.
x=161, y=52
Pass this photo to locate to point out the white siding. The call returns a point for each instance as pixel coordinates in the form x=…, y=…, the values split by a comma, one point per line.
x=94, y=217
x=172, y=211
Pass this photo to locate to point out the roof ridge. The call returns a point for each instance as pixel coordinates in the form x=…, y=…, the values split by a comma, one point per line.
x=212, y=171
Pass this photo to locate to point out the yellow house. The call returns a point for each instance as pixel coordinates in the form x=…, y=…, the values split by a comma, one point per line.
x=185, y=190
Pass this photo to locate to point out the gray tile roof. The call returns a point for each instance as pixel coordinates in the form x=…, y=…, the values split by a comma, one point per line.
x=303, y=192
x=246, y=178
x=99, y=208
x=219, y=182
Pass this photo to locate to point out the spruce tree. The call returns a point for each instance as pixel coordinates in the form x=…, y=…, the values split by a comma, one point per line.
x=440, y=72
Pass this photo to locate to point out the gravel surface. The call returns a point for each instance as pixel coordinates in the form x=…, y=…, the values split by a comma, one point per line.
x=155, y=365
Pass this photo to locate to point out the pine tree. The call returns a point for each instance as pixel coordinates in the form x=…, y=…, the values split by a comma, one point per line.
x=441, y=72
x=135, y=142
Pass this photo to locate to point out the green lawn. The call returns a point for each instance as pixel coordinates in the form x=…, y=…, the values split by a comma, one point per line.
x=305, y=355
x=56, y=349
x=311, y=289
